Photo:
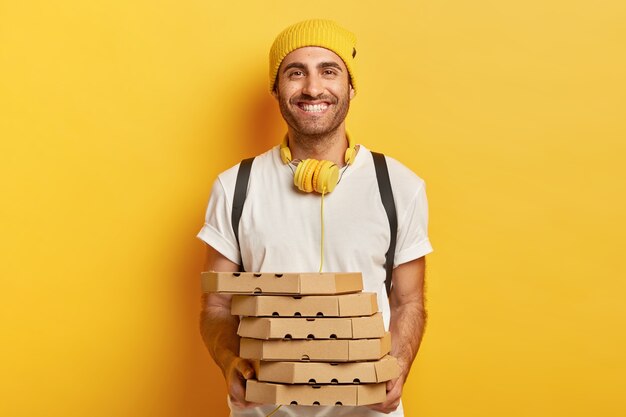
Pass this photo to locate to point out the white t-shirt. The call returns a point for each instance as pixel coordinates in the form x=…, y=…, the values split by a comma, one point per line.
x=280, y=231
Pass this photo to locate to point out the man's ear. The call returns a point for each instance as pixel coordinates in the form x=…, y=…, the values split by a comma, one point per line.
x=275, y=92
x=352, y=92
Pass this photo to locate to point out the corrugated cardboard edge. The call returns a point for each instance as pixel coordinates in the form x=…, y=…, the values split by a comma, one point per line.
x=340, y=350
x=272, y=328
x=286, y=306
x=367, y=372
x=387, y=368
x=331, y=283
x=268, y=328
x=260, y=392
x=250, y=282
x=371, y=393
x=291, y=283
x=295, y=350
x=244, y=305
x=349, y=395
x=344, y=305
x=254, y=327
x=369, y=349
x=250, y=348
x=347, y=305
x=368, y=327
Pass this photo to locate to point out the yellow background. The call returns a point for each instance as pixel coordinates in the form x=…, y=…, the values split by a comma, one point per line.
x=116, y=116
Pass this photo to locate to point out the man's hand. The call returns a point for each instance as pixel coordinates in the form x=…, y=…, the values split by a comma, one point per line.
x=236, y=374
x=394, y=393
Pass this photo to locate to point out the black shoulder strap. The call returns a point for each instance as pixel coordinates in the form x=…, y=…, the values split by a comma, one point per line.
x=239, y=197
x=386, y=195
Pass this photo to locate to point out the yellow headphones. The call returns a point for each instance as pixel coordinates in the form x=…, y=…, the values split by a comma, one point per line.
x=315, y=175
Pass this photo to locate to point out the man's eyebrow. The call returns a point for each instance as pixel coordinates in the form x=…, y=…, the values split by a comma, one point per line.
x=330, y=64
x=300, y=65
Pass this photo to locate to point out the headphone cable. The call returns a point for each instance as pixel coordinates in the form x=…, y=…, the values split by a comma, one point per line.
x=322, y=230
x=272, y=413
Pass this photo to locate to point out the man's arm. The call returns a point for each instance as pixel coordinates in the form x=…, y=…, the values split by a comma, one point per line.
x=407, y=321
x=219, y=332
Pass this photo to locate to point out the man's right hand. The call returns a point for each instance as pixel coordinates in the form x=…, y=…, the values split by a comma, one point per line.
x=236, y=374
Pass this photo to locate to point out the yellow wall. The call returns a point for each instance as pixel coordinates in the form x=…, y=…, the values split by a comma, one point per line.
x=116, y=116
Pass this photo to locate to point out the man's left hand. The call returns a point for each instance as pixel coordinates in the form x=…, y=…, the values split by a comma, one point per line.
x=394, y=392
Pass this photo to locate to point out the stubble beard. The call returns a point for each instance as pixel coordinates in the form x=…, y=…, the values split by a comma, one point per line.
x=318, y=130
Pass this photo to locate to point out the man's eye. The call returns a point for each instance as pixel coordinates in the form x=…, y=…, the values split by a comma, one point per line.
x=329, y=72
x=296, y=74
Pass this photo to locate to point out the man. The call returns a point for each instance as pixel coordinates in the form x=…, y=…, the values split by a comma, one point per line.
x=312, y=76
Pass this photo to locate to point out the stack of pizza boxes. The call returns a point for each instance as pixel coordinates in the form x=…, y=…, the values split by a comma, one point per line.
x=314, y=338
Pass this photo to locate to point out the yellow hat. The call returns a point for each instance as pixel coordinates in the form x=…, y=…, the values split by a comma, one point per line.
x=316, y=32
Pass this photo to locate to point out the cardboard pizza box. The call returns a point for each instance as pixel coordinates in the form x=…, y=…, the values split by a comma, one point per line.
x=333, y=350
x=276, y=283
x=347, y=305
x=369, y=372
x=350, y=395
x=312, y=328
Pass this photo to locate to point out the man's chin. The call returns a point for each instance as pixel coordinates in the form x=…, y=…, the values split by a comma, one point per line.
x=314, y=128
x=314, y=132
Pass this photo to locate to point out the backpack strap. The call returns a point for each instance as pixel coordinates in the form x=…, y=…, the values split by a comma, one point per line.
x=239, y=197
x=386, y=195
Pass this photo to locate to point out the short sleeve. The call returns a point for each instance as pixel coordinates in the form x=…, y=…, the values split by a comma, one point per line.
x=412, y=241
x=217, y=231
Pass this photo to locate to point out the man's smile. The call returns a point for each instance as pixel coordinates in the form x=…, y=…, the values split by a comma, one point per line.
x=313, y=108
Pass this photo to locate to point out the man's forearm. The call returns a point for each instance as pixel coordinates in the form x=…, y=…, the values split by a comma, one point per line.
x=408, y=314
x=217, y=326
x=406, y=302
x=219, y=331
x=407, y=328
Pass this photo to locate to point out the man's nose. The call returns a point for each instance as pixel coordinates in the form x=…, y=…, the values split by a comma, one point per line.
x=313, y=86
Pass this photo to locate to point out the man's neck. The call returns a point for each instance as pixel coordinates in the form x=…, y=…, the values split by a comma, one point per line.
x=331, y=147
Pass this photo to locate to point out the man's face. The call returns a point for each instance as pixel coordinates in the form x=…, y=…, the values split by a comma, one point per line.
x=313, y=91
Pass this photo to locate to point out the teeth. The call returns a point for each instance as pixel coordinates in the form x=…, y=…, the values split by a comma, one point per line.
x=314, y=107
